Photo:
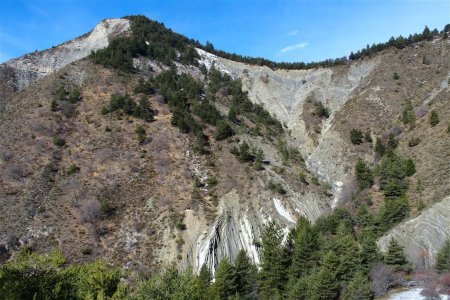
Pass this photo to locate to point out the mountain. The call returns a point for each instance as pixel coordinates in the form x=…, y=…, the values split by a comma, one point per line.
x=120, y=144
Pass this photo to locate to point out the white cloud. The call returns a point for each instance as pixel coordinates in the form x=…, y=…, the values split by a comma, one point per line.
x=294, y=47
x=293, y=32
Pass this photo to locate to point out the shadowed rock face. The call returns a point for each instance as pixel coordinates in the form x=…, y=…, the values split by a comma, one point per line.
x=423, y=236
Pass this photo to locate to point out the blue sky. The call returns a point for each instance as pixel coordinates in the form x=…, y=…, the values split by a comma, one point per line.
x=285, y=30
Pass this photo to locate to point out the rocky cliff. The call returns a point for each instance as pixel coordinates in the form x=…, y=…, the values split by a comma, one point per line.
x=20, y=72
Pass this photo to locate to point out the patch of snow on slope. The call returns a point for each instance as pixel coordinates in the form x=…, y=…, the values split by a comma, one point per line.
x=282, y=210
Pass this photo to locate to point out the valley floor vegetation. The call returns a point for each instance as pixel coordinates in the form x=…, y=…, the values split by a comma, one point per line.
x=327, y=260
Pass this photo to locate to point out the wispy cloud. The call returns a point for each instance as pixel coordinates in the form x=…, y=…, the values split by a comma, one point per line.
x=293, y=32
x=294, y=47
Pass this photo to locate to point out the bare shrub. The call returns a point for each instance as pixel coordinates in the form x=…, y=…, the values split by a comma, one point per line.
x=6, y=155
x=444, y=280
x=17, y=172
x=396, y=130
x=384, y=278
x=420, y=111
x=68, y=109
x=90, y=211
x=348, y=190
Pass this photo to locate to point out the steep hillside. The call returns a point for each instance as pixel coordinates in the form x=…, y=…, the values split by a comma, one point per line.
x=83, y=170
x=19, y=73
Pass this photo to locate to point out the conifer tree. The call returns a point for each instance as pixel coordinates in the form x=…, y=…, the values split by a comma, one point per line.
x=204, y=277
x=358, y=288
x=225, y=280
x=246, y=276
x=443, y=257
x=272, y=274
x=326, y=282
x=258, y=160
x=363, y=174
x=380, y=149
x=301, y=289
x=369, y=250
x=305, y=250
x=348, y=252
x=364, y=217
x=395, y=257
x=434, y=118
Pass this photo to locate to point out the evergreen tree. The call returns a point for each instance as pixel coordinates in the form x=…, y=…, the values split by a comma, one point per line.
x=395, y=257
x=368, y=136
x=258, y=160
x=358, y=288
x=225, y=284
x=408, y=167
x=244, y=152
x=223, y=130
x=370, y=255
x=356, y=136
x=348, y=252
x=443, y=257
x=380, y=149
x=434, y=118
x=408, y=116
x=363, y=174
x=326, y=282
x=305, y=250
x=232, y=114
x=392, y=142
x=364, y=217
x=204, y=277
x=246, y=274
x=393, y=211
x=272, y=275
x=301, y=290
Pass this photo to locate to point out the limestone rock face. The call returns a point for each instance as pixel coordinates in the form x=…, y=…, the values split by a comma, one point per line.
x=31, y=67
x=424, y=235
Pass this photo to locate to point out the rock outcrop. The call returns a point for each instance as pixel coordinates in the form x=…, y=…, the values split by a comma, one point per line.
x=24, y=70
x=422, y=236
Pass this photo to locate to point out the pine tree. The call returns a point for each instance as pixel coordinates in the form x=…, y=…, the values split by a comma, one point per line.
x=272, y=274
x=305, y=250
x=358, y=288
x=392, y=142
x=301, y=289
x=204, y=276
x=443, y=258
x=395, y=257
x=369, y=250
x=225, y=281
x=434, y=118
x=244, y=152
x=380, y=149
x=258, y=160
x=363, y=174
x=348, y=252
x=326, y=282
x=246, y=276
x=356, y=136
x=364, y=217
x=232, y=114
